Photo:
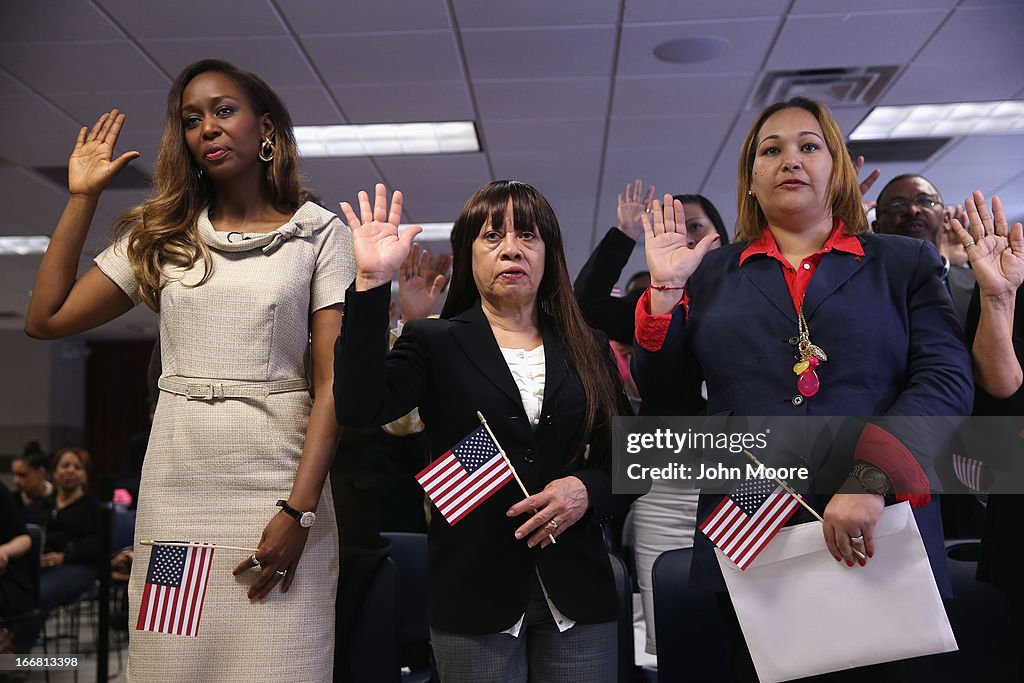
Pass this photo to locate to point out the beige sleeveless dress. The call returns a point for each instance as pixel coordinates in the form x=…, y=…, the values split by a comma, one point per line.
x=214, y=469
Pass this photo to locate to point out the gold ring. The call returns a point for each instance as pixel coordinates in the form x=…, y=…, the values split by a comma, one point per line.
x=968, y=245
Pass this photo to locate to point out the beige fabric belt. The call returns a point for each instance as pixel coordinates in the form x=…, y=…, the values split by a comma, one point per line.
x=195, y=389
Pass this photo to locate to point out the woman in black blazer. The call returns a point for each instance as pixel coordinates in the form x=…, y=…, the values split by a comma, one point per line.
x=511, y=343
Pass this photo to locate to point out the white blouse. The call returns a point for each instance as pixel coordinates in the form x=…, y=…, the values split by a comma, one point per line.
x=527, y=368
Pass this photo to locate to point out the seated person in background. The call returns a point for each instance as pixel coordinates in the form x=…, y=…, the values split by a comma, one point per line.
x=72, y=541
x=593, y=285
x=15, y=575
x=35, y=493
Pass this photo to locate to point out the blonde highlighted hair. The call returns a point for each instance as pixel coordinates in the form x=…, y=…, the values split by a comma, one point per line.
x=162, y=231
x=843, y=187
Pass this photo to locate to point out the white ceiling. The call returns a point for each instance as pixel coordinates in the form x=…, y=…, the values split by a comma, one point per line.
x=566, y=95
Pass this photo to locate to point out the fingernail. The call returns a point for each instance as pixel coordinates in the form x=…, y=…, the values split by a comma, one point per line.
x=509, y=513
x=871, y=554
x=849, y=563
x=838, y=559
x=863, y=563
x=285, y=590
x=518, y=535
x=252, y=595
x=263, y=596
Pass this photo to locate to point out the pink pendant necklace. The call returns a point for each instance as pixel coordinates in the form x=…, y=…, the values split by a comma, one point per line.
x=811, y=357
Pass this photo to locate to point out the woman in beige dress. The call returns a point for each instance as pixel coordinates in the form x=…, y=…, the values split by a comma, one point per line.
x=248, y=278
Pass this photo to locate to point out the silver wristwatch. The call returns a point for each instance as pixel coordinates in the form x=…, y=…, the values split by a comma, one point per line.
x=305, y=519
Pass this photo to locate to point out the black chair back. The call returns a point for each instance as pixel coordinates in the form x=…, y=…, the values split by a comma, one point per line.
x=624, y=588
x=375, y=652
x=691, y=636
x=35, y=532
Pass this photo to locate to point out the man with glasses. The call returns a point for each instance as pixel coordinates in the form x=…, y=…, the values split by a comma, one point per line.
x=910, y=205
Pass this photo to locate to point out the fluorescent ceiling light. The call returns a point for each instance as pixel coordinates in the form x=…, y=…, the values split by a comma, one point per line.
x=942, y=120
x=22, y=245
x=432, y=232
x=381, y=139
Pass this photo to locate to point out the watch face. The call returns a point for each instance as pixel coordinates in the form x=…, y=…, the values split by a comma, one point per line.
x=873, y=479
x=307, y=519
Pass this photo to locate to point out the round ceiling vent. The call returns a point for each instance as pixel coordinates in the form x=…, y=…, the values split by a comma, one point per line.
x=690, y=50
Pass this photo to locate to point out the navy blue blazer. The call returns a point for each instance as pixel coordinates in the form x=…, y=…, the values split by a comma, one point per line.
x=885, y=320
x=479, y=576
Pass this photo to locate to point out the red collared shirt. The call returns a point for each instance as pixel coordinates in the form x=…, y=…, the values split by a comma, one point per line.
x=651, y=329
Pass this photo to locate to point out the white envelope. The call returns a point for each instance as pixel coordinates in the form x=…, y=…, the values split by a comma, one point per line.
x=802, y=613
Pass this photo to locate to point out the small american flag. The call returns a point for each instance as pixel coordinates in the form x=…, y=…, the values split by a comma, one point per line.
x=748, y=518
x=465, y=476
x=972, y=473
x=172, y=601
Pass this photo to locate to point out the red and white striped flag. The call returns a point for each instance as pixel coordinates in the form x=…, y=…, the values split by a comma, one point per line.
x=465, y=476
x=172, y=601
x=748, y=518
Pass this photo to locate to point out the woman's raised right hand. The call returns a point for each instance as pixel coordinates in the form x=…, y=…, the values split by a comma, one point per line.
x=378, y=246
x=92, y=165
x=670, y=261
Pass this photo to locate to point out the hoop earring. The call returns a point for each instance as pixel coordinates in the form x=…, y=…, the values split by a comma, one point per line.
x=267, y=150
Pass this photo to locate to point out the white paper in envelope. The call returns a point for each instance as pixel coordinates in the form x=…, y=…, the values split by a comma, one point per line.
x=802, y=613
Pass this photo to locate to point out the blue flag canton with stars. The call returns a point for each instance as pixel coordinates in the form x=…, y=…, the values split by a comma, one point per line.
x=166, y=566
x=475, y=450
x=751, y=494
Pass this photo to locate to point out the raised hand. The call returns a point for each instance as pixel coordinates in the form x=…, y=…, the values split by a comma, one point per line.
x=669, y=260
x=995, y=250
x=631, y=207
x=92, y=166
x=948, y=241
x=866, y=184
x=378, y=247
x=421, y=282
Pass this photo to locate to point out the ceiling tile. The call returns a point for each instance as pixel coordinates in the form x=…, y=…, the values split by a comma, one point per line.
x=956, y=180
x=554, y=135
x=194, y=18
x=317, y=16
x=677, y=95
x=846, y=7
x=32, y=205
x=339, y=180
x=108, y=65
x=657, y=11
x=309, y=106
x=475, y=14
x=34, y=21
x=532, y=99
x=405, y=102
x=693, y=139
x=828, y=41
x=448, y=180
x=376, y=59
x=10, y=86
x=996, y=38
x=539, y=53
x=749, y=40
x=143, y=109
x=276, y=60
x=921, y=84
x=570, y=175
x=35, y=133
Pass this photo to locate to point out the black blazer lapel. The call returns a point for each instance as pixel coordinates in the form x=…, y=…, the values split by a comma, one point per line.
x=473, y=333
x=765, y=273
x=834, y=269
x=556, y=365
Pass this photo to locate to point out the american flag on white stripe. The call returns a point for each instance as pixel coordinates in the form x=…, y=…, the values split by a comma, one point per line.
x=465, y=476
x=748, y=518
x=172, y=601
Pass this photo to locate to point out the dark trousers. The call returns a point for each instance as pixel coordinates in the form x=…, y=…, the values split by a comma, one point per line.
x=57, y=586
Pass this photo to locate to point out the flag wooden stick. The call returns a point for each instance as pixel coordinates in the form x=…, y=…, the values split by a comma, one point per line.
x=196, y=544
x=508, y=462
x=791, y=491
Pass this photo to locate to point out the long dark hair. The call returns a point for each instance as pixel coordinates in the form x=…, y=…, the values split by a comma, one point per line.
x=162, y=230
x=586, y=353
x=709, y=210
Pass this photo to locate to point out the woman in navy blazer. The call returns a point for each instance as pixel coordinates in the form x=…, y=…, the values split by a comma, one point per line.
x=501, y=595
x=804, y=269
